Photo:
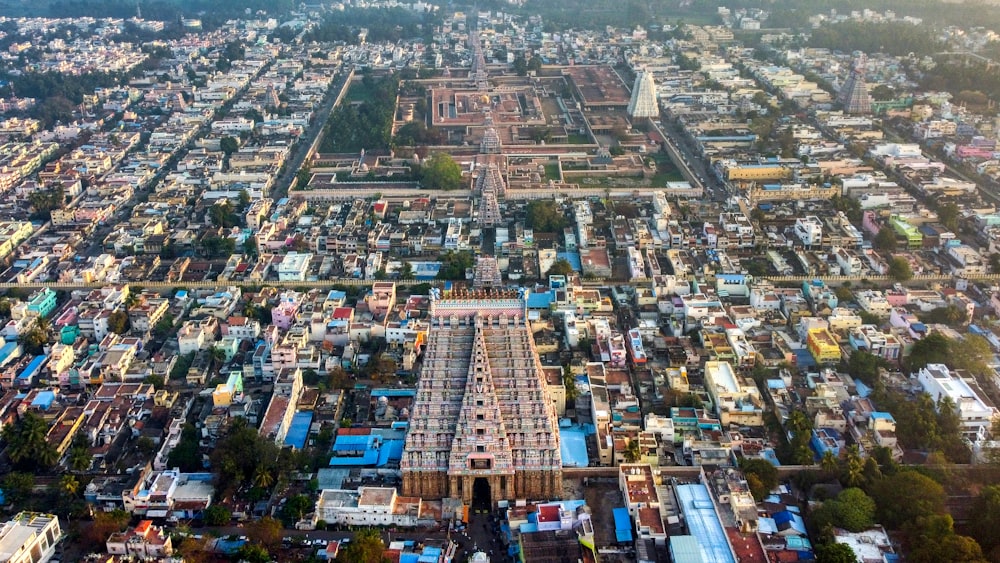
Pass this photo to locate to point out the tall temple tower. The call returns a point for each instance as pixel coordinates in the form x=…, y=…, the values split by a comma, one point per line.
x=643, y=102
x=854, y=94
x=482, y=427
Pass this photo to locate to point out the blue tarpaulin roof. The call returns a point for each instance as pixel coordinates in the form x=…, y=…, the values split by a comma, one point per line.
x=623, y=525
x=298, y=430
x=573, y=447
x=540, y=300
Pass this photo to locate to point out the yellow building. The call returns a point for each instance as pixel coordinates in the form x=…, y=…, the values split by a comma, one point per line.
x=758, y=172
x=823, y=346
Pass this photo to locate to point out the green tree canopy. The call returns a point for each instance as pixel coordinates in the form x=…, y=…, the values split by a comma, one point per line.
x=27, y=446
x=835, y=553
x=852, y=510
x=899, y=269
x=885, y=240
x=545, y=216
x=561, y=267
x=906, y=496
x=986, y=523
x=441, y=172
x=762, y=476
x=217, y=515
x=367, y=547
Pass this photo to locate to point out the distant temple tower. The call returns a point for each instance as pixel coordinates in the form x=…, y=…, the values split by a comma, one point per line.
x=487, y=273
x=854, y=95
x=482, y=428
x=491, y=188
x=643, y=102
x=491, y=143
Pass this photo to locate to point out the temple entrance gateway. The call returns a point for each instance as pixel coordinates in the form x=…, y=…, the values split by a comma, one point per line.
x=482, y=500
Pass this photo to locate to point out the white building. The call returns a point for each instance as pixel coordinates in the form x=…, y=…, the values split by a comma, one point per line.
x=294, y=266
x=145, y=541
x=367, y=506
x=29, y=537
x=809, y=230
x=976, y=415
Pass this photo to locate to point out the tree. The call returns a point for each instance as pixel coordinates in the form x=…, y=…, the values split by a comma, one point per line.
x=367, y=547
x=217, y=515
x=27, y=446
x=545, y=216
x=80, y=458
x=17, y=486
x=951, y=315
x=932, y=349
x=972, y=353
x=949, y=214
x=192, y=550
x=35, y=339
x=852, y=470
x=984, y=526
x=632, y=452
x=105, y=524
x=865, y=366
x=454, y=264
x=899, y=269
x=764, y=475
x=932, y=538
x=897, y=504
x=885, y=240
x=852, y=510
x=265, y=532
x=118, y=322
x=295, y=509
x=405, y=271
x=69, y=485
x=262, y=477
x=835, y=553
x=569, y=383
x=441, y=172
x=253, y=554
x=145, y=445
x=561, y=267
x=186, y=455
x=229, y=145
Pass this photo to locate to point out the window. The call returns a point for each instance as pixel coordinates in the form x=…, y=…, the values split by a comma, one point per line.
x=480, y=431
x=480, y=416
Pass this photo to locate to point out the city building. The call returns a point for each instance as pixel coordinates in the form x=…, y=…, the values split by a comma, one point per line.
x=29, y=537
x=145, y=541
x=975, y=413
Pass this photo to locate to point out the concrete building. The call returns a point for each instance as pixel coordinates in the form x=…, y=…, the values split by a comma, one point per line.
x=29, y=537
x=368, y=506
x=736, y=399
x=145, y=541
x=294, y=266
x=976, y=414
x=482, y=425
x=809, y=230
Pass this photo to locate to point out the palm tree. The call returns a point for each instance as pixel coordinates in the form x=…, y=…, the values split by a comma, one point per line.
x=217, y=356
x=829, y=462
x=632, y=452
x=69, y=485
x=262, y=477
x=852, y=473
x=79, y=458
x=47, y=456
